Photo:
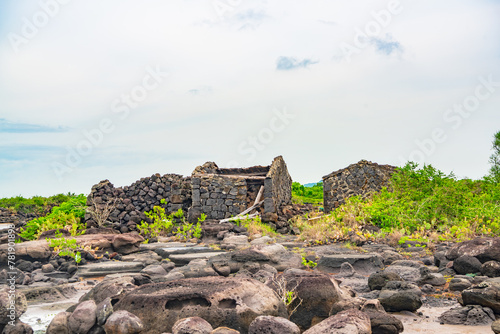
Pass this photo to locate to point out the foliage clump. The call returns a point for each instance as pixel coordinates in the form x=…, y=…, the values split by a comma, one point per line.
x=426, y=198
x=67, y=215
x=302, y=194
x=37, y=205
x=420, y=203
x=176, y=224
x=494, y=175
x=65, y=247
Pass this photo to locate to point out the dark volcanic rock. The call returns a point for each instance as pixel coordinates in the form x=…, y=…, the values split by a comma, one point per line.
x=110, y=287
x=400, y=296
x=466, y=264
x=272, y=325
x=362, y=263
x=192, y=325
x=18, y=328
x=121, y=322
x=459, y=284
x=350, y=321
x=486, y=294
x=472, y=315
x=83, y=318
x=318, y=292
x=5, y=302
x=378, y=280
x=231, y=302
x=381, y=322
x=59, y=325
x=484, y=249
x=491, y=269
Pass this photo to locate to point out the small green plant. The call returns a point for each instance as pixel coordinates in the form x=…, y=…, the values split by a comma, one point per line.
x=286, y=294
x=161, y=223
x=308, y=263
x=65, y=247
x=175, y=223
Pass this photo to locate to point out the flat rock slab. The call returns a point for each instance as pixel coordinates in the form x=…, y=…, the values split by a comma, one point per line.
x=292, y=244
x=111, y=267
x=166, y=252
x=182, y=259
x=156, y=245
x=364, y=264
x=146, y=257
x=58, y=274
x=36, y=294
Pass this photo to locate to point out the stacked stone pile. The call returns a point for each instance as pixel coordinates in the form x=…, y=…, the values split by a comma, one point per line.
x=130, y=202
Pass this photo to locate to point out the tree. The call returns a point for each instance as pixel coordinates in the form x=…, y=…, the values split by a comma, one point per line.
x=495, y=160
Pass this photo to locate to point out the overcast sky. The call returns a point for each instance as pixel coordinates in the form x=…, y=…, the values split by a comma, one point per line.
x=119, y=89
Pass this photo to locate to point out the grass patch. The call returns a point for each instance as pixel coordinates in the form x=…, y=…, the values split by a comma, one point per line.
x=256, y=226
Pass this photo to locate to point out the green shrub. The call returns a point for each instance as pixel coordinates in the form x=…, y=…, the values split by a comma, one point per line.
x=65, y=247
x=68, y=216
x=37, y=204
x=428, y=199
x=494, y=174
x=175, y=223
x=302, y=194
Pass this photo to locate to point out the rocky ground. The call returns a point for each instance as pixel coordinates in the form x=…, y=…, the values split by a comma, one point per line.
x=230, y=283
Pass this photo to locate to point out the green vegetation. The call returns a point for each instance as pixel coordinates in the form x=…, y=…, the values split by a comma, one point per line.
x=494, y=175
x=65, y=247
x=427, y=199
x=423, y=204
x=67, y=216
x=308, y=263
x=37, y=204
x=163, y=224
x=302, y=194
x=256, y=226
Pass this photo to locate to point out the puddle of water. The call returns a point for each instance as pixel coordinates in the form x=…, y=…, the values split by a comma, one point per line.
x=39, y=315
x=422, y=324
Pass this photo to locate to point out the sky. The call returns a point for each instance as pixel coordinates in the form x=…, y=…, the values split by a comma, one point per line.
x=120, y=89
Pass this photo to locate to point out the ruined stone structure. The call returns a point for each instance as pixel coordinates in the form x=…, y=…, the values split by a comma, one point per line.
x=223, y=192
x=217, y=192
x=130, y=202
x=361, y=178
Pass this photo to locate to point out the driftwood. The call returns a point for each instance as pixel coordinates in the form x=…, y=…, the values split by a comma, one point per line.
x=259, y=195
x=240, y=215
x=253, y=215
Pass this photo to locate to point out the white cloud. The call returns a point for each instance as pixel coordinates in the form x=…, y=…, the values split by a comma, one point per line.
x=223, y=86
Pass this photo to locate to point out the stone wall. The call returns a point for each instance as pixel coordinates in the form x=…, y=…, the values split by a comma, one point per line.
x=217, y=192
x=224, y=192
x=277, y=187
x=217, y=196
x=361, y=178
x=130, y=202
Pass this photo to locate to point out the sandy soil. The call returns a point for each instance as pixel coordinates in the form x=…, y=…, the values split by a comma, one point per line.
x=429, y=323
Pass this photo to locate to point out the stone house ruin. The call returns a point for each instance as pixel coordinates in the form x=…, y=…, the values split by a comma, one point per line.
x=224, y=192
x=359, y=179
x=217, y=192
